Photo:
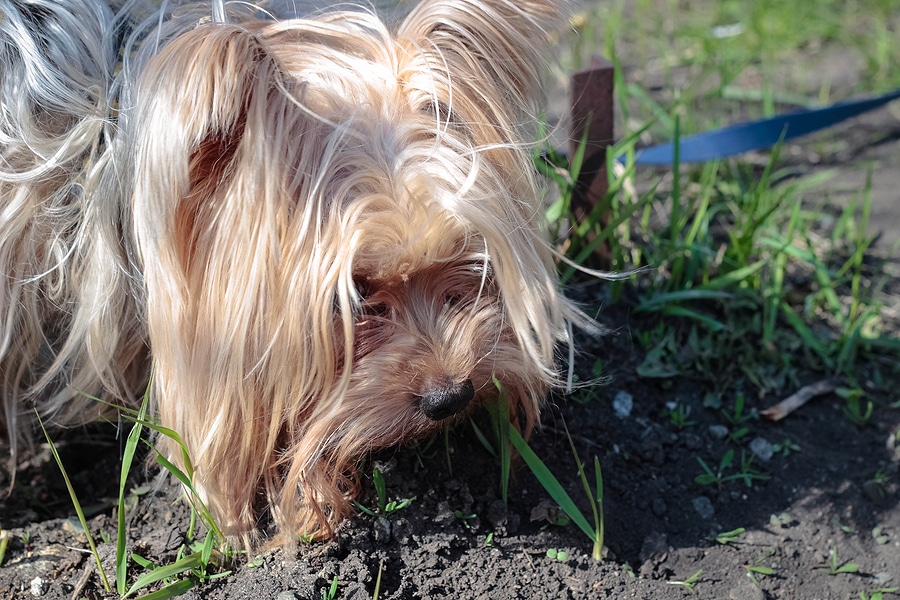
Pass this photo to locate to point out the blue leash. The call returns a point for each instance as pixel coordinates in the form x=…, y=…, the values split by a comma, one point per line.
x=755, y=135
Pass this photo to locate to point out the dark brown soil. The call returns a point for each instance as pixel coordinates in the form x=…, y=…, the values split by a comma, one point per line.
x=458, y=540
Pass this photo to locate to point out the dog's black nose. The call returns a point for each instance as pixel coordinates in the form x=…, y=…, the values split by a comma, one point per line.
x=446, y=399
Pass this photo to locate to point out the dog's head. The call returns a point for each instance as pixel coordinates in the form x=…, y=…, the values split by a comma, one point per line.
x=342, y=242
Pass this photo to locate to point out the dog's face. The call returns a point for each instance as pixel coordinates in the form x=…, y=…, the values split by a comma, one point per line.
x=341, y=242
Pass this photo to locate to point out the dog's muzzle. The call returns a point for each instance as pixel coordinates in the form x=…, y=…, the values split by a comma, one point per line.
x=445, y=399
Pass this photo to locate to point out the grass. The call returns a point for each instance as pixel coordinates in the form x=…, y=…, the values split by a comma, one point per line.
x=384, y=507
x=835, y=567
x=731, y=256
x=197, y=560
x=690, y=583
x=557, y=491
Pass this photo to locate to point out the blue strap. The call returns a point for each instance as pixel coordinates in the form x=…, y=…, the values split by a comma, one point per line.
x=755, y=135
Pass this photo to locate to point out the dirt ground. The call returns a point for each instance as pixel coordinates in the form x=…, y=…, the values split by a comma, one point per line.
x=832, y=497
x=833, y=486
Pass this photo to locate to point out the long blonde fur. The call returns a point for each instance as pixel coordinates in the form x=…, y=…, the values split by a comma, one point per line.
x=309, y=224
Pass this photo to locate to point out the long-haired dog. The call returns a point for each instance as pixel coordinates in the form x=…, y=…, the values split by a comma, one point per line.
x=321, y=235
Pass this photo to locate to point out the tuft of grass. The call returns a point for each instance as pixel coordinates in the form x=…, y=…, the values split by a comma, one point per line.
x=688, y=583
x=385, y=506
x=743, y=265
x=835, y=567
x=556, y=490
x=746, y=473
x=197, y=561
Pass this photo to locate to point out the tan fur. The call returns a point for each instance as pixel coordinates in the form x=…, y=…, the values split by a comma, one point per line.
x=312, y=224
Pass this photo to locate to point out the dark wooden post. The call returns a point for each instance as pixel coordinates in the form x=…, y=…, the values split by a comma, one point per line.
x=591, y=102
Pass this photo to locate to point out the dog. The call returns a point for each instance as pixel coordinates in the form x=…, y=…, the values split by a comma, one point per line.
x=312, y=237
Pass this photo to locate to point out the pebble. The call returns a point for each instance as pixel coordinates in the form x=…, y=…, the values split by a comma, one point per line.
x=762, y=449
x=38, y=586
x=382, y=530
x=622, y=404
x=287, y=595
x=703, y=506
x=719, y=432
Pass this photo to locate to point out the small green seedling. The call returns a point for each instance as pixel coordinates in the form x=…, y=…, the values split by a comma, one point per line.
x=853, y=407
x=729, y=537
x=747, y=473
x=559, y=494
x=755, y=569
x=718, y=477
x=464, y=518
x=877, y=594
x=737, y=416
x=331, y=592
x=785, y=448
x=560, y=555
x=781, y=520
x=690, y=582
x=489, y=540
x=385, y=507
x=879, y=536
x=835, y=522
x=834, y=567
x=4, y=542
x=678, y=416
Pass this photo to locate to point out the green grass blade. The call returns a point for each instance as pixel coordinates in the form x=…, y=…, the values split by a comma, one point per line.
x=76, y=504
x=500, y=419
x=188, y=563
x=550, y=483
x=171, y=591
x=663, y=299
x=122, y=528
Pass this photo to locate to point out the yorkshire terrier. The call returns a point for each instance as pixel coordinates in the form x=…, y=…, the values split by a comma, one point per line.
x=321, y=235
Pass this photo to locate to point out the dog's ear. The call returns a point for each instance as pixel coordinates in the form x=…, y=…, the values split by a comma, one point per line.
x=193, y=100
x=205, y=219
x=489, y=44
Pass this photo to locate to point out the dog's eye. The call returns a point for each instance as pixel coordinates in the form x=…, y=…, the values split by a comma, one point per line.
x=364, y=289
x=453, y=299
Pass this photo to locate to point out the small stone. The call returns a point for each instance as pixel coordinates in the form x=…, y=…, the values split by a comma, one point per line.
x=762, y=449
x=382, y=530
x=444, y=516
x=703, y=506
x=38, y=586
x=401, y=530
x=287, y=595
x=719, y=432
x=691, y=441
x=622, y=404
